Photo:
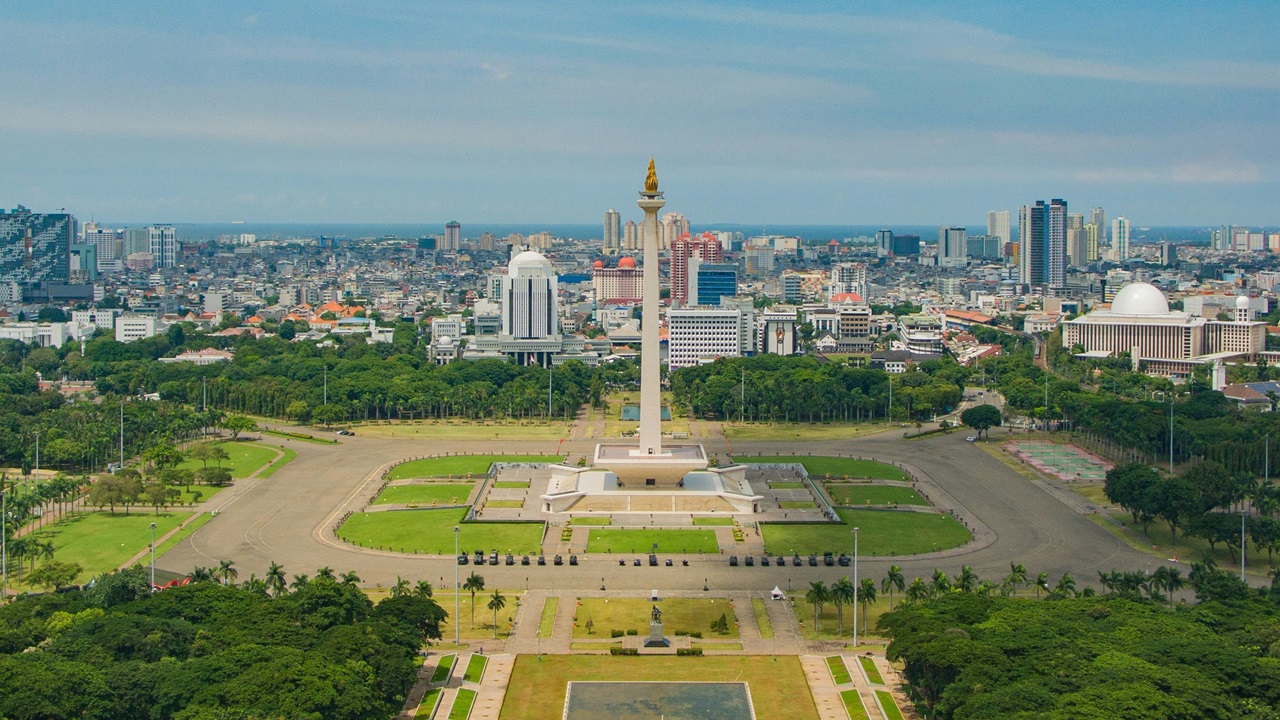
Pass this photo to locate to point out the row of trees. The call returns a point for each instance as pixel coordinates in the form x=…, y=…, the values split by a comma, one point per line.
x=212, y=649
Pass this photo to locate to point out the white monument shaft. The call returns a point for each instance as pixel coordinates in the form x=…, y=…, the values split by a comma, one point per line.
x=650, y=364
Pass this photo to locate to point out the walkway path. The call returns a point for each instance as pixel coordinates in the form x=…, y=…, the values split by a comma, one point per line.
x=825, y=696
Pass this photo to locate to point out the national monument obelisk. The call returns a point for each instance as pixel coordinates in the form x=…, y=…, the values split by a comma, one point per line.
x=650, y=364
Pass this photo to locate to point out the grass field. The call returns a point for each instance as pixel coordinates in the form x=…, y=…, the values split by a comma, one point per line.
x=431, y=532
x=511, y=484
x=807, y=431
x=712, y=521
x=890, y=706
x=839, y=673
x=829, y=627
x=678, y=614
x=479, y=629
x=537, y=687
x=425, y=494
x=475, y=668
x=462, y=703
x=463, y=430
x=642, y=541
x=762, y=618
x=428, y=705
x=836, y=467
x=721, y=647
x=548, y=621
x=458, y=465
x=882, y=532
x=874, y=495
x=101, y=542
x=443, y=669
x=244, y=458
x=853, y=705
x=869, y=667
x=591, y=520
x=275, y=466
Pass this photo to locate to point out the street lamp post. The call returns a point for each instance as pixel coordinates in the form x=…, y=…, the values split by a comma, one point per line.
x=153, y=557
x=855, y=588
x=456, y=627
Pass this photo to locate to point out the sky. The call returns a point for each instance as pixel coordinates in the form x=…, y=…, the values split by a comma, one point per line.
x=785, y=113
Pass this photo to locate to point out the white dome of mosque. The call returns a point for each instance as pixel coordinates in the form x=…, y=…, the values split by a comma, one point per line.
x=1242, y=302
x=1140, y=299
x=529, y=260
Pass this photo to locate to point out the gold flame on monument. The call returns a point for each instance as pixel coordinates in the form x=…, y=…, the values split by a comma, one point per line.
x=651, y=180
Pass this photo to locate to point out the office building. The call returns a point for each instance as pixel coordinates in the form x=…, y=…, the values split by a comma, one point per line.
x=792, y=285
x=612, y=229
x=704, y=248
x=848, y=278
x=617, y=285
x=136, y=327
x=35, y=247
x=1042, y=244
x=953, y=248
x=630, y=236
x=985, y=247
x=906, y=245
x=998, y=225
x=108, y=245
x=530, y=298
x=713, y=281
x=922, y=334
x=778, y=331
x=162, y=243
x=1120, y=238
x=1092, y=233
x=696, y=336
x=452, y=236
x=1098, y=217
x=884, y=243
x=759, y=261
x=1168, y=254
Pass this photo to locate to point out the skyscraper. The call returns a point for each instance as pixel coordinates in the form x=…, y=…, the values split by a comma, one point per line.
x=884, y=243
x=612, y=229
x=1098, y=217
x=998, y=225
x=452, y=236
x=1077, y=241
x=953, y=248
x=530, y=298
x=705, y=248
x=630, y=237
x=163, y=241
x=1042, y=244
x=1120, y=237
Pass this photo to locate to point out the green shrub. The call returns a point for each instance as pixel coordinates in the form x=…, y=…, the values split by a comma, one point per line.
x=688, y=651
x=616, y=633
x=632, y=631
x=623, y=651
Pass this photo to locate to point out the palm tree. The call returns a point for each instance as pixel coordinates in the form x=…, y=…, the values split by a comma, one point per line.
x=401, y=587
x=227, y=572
x=1042, y=583
x=496, y=603
x=275, y=579
x=1017, y=576
x=893, y=580
x=350, y=578
x=474, y=584
x=817, y=595
x=255, y=584
x=200, y=574
x=866, y=596
x=841, y=593
x=967, y=579
x=939, y=584
x=917, y=591
x=299, y=582
x=1066, y=586
x=423, y=589
x=325, y=572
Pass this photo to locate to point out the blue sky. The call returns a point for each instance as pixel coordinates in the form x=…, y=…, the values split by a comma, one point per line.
x=858, y=113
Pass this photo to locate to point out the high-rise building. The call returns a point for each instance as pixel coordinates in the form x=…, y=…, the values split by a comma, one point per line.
x=1120, y=237
x=1077, y=240
x=700, y=335
x=758, y=261
x=1042, y=244
x=108, y=244
x=792, y=284
x=530, y=298
x=705, y=248
x=713, y=281
x=884, y=243
x=998, y=225
x=622, y=284
x=953, y=248
x=848, y=278
x=985, y=247
x=162, y=241
x=630, y=236
x=612, y=229
x=1091, y=234
x=452, y=236
x=35, y=247
x=906, y=245
x=1098, y=217
x=1168, y=254
x=673, y=225
x=539, y=241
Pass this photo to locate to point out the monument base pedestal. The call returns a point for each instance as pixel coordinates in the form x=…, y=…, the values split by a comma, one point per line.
x=656, y=639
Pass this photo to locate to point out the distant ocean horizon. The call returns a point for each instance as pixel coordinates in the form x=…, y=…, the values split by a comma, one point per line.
x=581, y=231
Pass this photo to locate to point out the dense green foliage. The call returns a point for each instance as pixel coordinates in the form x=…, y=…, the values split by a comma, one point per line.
x=207, y=651
x=972, y=656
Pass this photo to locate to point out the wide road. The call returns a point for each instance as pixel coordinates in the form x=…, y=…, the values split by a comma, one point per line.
x=287, y=519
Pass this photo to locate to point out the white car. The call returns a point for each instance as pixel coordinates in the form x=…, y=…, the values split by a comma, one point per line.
x=971, y=438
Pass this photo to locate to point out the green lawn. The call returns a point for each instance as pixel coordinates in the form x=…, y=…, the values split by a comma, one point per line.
x=510, y=484
x=101, y=542
x=537, y=687
x=829, y=624
x=289, y=455
x=428, y=704
x=869, y=667
x=605, y=520
x=245, y=458
x=839, y=673
x=713, y=521
x=475, y=668
x=459, y=465
x=478, y=627
x=836, y=467
x=462, y=703
x=642, y=541
x=874, y=495
x=853, y=705
x=796, y=505
x=678, y=614
x=882, y=532
x=548, y=621
x=431, y=532
x=444, y=669
x=762, y=618
x=803, y=431
x=425, y=494
x=891, y=710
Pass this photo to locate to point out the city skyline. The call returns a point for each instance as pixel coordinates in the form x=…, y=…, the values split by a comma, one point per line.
x=516, y=113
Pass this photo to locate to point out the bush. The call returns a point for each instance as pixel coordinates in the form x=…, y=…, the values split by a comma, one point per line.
x=616, y=633
x=688, y=651
x=632, y=631
x=623, y=651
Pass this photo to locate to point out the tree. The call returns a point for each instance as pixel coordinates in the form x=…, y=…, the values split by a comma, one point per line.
x=1066, y=586
x=350, y=578
x=917, y=591
x=841, y=595
x=1017, y=576
x=981, y=418
x=163, y=455
x=496, y=603
x=967, y=580
x=1042, y=583
x=473, y=585
x=236, y=424
x=157, y=495
x=817, y=595
x=227, y=572
x=893, y=580
x=866, y=596
x=326, y=573
x=54, y=574
x=275, y=579
x=214, y=476
x=423, y=589
x=940, y=584
x=400, y=588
